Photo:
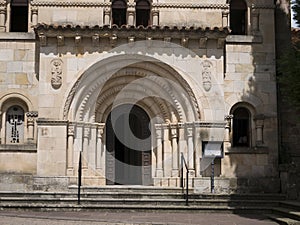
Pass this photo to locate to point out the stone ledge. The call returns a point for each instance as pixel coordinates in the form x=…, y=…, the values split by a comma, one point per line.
x=17, y=36
x=18, y=148
x=244, y=39
x=247, y=150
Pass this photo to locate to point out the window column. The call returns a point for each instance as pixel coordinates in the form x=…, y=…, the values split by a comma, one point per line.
x=2, y=18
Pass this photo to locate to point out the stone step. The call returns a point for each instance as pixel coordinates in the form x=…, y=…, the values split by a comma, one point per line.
x=287, y=212
x=138, y=201
x=283, y=220
x=290, y=204
x=145, y=194
x=132, y=208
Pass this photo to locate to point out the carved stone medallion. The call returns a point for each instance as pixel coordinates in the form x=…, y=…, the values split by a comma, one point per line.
x=56, y=73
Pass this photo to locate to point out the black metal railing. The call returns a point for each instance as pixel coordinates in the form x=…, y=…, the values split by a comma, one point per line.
x=186, y=194
x=79, y=178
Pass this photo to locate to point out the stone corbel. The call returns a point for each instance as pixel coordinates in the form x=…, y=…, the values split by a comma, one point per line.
x=43, y=39
x=131, y=41
x=149, y=41
x=202, y=42
x=96, y=40
x=220, y=43
x=167, y=41
x=185, y=42
x=113, y=40
x=60, y=40
x=77, y=40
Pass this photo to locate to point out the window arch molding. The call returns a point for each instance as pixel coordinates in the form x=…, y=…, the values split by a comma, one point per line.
x=243, y=125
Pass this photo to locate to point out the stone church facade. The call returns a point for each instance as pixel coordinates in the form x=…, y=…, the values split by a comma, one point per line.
x=133, y=86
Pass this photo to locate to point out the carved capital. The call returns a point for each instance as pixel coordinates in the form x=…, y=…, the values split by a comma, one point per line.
x=71, y=130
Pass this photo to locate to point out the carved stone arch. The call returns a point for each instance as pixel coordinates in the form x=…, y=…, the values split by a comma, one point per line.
x=251, y=100
x=88, y=86
x=153, y=106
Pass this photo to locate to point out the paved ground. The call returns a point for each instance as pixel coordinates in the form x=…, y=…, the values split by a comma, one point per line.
x=128, y=218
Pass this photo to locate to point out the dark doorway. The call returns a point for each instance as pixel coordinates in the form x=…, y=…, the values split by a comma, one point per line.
x=128, y=146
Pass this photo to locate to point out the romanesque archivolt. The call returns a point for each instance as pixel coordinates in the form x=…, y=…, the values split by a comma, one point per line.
x=207, y=68
x=56, y=73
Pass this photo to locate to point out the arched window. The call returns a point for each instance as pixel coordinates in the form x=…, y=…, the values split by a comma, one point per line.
x=119, y=9
x=241, y=127
x=238, y=12
x=15, y=125
x=19, y=16
x=142, y=13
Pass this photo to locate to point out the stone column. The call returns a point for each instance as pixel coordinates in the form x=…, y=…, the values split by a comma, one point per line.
x=175, y=159
x=86, y=134
x=2, y=18
x=190, y=153
x=99, y=149
x=225, y=22
x=259, y=123
x=155, y=17
x=107, y=13
x=131, y=16
x=30, y=125
x=167, y=151
x=228, y=119
x=70, y=156
x=159, y=168
x=34, y=16
x=255, y=20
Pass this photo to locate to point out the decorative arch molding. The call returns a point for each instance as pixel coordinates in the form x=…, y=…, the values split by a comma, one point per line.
x=93, y=84
x=251, y=100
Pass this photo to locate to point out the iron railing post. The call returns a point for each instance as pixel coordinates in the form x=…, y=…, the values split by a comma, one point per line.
x=79, y=178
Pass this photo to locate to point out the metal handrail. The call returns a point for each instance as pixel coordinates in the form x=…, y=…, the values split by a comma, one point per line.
x=186, y=195
x=79, y=177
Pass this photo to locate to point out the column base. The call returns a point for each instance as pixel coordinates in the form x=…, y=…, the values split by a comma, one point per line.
x=175, y=173
x=159, y=173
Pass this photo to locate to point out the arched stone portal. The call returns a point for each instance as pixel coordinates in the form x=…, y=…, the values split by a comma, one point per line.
x=128, y=146
x=156, y=92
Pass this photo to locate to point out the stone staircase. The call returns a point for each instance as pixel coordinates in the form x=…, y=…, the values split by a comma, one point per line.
x=286, y=213
x=138, y=198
